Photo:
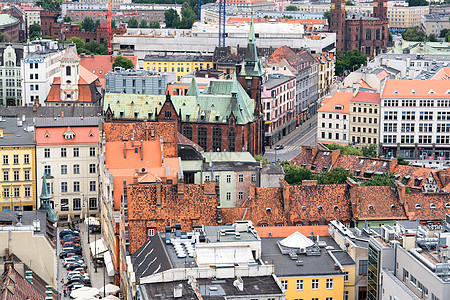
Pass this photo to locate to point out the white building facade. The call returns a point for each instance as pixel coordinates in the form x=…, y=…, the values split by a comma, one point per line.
x=10, y=79
x=333, y=119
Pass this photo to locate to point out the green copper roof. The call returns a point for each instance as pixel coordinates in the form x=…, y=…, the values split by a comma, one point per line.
x=44, y=192
x=45, y=197
x=214, y=105
x=252, y=65
x=193, y=88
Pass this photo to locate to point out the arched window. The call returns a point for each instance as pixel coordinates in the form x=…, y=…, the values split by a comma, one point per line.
x=202, y=141
x=368, y=34
x=68, y=71
x=217, y=139
x=187, y=131
x=231, y=139
x=377, y=34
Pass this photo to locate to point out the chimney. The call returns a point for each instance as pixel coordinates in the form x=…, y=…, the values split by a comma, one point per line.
x=353, y=195
x=168, y=231
x=286, y=188
x=124, y=149
x=180, y=187
x=62, y=114
x=34, y=107
x=178, y=230
x=335, y=155
x=142, y=150
x=258, y=174
x=135, y=180
x=92, y=56
x=239, y=284
x=112, y=58
x=158, y=193
x=178, y=291
x=409, y=240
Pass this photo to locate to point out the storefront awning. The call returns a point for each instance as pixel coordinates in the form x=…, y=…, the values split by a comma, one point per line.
x=98, y=249
x=108, y=263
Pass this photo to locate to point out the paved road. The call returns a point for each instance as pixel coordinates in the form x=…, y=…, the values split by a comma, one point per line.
x=303, y=135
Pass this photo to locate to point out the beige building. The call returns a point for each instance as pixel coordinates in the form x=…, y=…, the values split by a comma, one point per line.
x=32, y=15
x=364, y=118
x=401, y=17
x=326, y=72
x=434, y=24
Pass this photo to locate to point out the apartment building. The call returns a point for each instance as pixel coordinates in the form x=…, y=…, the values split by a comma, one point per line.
x=403, y=17
x=41, y=63
x=326, y=73
x=435, y=23
x=414, y=120
x=17, y=150
x=278, y=100
x=67, y=152
x=333, y=120
x=11, y=75
x=364, y=118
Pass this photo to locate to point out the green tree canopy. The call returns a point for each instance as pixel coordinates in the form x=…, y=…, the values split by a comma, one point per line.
x=346, y=150
x=51, y=5
x=349, y=60
x=3, y=38
x=417, y=2
x=171, y=18
x=291, y=8
x=379, y=180
x=188, y=16
x=432, y=38
x=95, y=48
x=154, y=24
x=349, y=3
x=88, y=25
x=413, y=35
x=78, y=42
x=133, y=23
x=120, y=61
x=327, y=16
x=34, y=31
x=67, y=19
x=295, y=174
x=143, y=24
x=261, y=158
x=369, y=151
x=335, y=176
x=402, y=161
x=443, y=33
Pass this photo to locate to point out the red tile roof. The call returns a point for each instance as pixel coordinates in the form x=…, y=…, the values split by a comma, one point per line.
x=285, y=231
x=429, y=207
x=54, y=135
x=366, y=97
x=401, y=88
x=340, y=99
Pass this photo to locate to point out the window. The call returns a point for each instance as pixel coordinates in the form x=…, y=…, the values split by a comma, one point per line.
x=241, y=195
x=5, y=159
x=16, y=159
x=16, y=192
x=63, y=152
x=26, y=159
x=26, y=174
x=76, y=186
x=231, y=138
x=315, y=284
x=241, y=177
x=202, y=137
x=413, y=280
x=63, y=187
x=76, y=204
x=46, y=153
x=68, y=71
x=405, y=275
x=63, y=169
x=5, y=175
x=187, y=131
x=206, y=177
x=253, y=177
x=329, y=298
x=64, y=204
x=76, y=169
x=47, y=170
x=329, y=284
x=76, y=152
x=217, y=139
x=92, y=168
x=362, y=267
x=27, y=190
x=228, y=196
x=299, y=285
x=284, y=285
x=92, y=186
x=167, y=114
x=228, y=178
x=92, y=203
x=151, y=232
x=6, y=192
x=433, y=297
x=346, y=277
x=346, y=295
x=92, y=151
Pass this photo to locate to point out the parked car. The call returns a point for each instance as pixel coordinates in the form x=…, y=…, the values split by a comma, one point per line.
x=73, y=266
x=81, y=270
x=75, y=285
x=279, y=147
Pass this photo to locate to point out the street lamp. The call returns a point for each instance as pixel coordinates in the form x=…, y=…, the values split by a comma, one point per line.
x=104, y=276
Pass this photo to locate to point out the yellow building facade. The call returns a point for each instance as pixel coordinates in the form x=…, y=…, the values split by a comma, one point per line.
x=328, y=287
x=180, y=64
x=18, y=165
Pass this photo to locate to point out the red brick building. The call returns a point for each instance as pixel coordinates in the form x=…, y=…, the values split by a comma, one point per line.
x=368, y=33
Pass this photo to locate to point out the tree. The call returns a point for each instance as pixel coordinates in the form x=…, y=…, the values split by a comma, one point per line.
x=402, y=161
x=67, y=19
x=120, y=61
x=349, y=60
x=143, y=24
x=349, y=3
x=444, y=33
x=171, y=18
x=391, y=38
x=133, y=23
x=294, y=174
x=154, y=24
x=3, y=38
x=413, y=35
x=417, y=3
x=335, y=176
x=291, y=8
x=265, y=161
x=79, y=43
x=327, y=16
x=51, y=5
x=346, y=150
x=95, y=48
x=188, y=17
x=369, y=151
x=34, y=31
x=88, y=25
x=432, y=38
x=379, y=180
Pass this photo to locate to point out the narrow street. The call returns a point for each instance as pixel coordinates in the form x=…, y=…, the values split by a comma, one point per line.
x=304, y=135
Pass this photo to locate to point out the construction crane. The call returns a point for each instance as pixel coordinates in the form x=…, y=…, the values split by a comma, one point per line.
x=108, y=19
x=199, y=10
x=222, y=23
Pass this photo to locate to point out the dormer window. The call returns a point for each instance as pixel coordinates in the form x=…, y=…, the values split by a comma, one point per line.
x=338, y=107
x=370, y=206
x=417, y=206
x=392, y=206
x=413, y=92
x=69, y=135
x=319, y=207
x=303, y=207
x=447, y=205
x=432, y=205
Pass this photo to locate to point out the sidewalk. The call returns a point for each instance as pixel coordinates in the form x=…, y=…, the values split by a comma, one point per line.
x=294, y=134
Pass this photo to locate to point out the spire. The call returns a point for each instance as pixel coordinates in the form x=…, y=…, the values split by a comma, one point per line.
x=45, y=197
x=44, y=192
x=251, y=65
x=193, y=88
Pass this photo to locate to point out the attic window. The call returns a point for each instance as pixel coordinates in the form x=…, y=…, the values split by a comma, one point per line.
x=338, y=107
x=392, y=206
x=336, y=207
x=217, y=118
x=326, y=153
x=431, y=92
x=47, y=135
x=118, y=102
x=417, y=206
x=202, y=117
x=68, y=135
x=447, y=92
x=374, y=164
x=361, y=162
x=132, y=103
x=384, y=164
x=303, y=207
x=121, y=114
x=319, y=207
x=268, y=209
x=91, y=134
x=370, y=206
x=447, y=205
x=432, y=205
x=413, y=92
x=396, y=92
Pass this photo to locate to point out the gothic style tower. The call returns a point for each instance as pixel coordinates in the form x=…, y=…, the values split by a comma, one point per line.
x=380, y=9
x=69, y=76
x=337, y=22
